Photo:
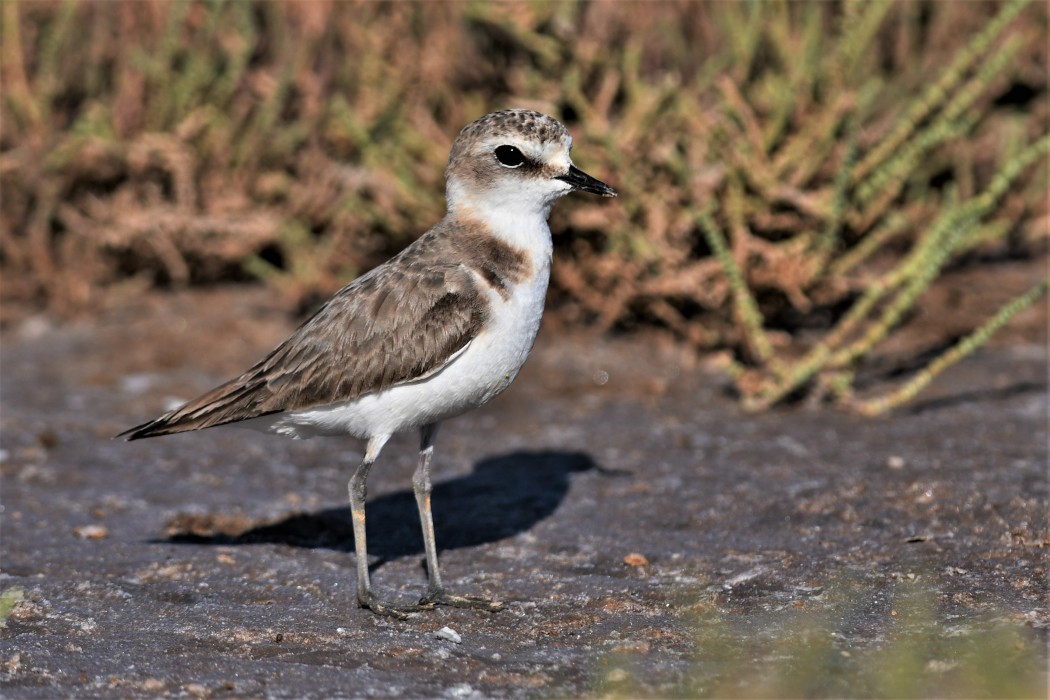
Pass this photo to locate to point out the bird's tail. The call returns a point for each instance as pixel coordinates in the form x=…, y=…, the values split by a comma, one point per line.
x=234, y=401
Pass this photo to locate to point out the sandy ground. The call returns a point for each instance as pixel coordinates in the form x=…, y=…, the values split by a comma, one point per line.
x=614, y=497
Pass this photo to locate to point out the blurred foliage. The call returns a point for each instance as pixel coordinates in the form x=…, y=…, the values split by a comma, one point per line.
x=809, y=650
x=784, y=167
x=9, y=598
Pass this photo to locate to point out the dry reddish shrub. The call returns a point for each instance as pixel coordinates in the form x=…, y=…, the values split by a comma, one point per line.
x=163, y=143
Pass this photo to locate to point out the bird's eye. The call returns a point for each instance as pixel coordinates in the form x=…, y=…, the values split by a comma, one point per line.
x=509, y=156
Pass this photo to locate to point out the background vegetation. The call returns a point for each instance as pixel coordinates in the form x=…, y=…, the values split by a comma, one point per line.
x=793, y=176
x=805, y=652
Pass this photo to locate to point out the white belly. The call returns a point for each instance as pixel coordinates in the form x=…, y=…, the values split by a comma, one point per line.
x=482, y=370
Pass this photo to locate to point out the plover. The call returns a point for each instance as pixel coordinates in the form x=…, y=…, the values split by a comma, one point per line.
x=437, y=330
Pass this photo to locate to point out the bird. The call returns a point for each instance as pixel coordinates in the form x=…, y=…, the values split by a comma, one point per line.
x=437, y=330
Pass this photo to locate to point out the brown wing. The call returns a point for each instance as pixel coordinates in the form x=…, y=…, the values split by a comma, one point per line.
x=399, y=322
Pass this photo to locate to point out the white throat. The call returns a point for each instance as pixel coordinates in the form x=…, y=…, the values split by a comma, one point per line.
x=516, y=215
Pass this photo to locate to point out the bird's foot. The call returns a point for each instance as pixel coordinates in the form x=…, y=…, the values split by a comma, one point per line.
x=394, y=610
x=476, y=602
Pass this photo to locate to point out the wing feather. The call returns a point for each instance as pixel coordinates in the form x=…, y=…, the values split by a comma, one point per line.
x=395, y=324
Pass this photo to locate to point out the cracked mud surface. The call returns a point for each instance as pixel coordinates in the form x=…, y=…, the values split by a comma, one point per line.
x=612, y=497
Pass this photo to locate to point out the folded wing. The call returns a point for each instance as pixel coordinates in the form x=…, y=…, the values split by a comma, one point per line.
x=394, y=325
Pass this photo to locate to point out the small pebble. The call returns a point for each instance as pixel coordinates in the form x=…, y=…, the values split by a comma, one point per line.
x=153, y=685
x=91, y=532
x=635, y=559
x=449, y=634
x=895, y=462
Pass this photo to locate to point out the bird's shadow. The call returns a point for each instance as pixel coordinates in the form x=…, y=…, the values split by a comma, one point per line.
x=501, y=497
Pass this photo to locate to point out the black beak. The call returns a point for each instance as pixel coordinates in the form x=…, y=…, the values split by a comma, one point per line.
x=584, y=182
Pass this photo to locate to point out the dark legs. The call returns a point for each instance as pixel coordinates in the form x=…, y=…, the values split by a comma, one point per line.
x=421, y=487
x=436, y=594
x=358, y=489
